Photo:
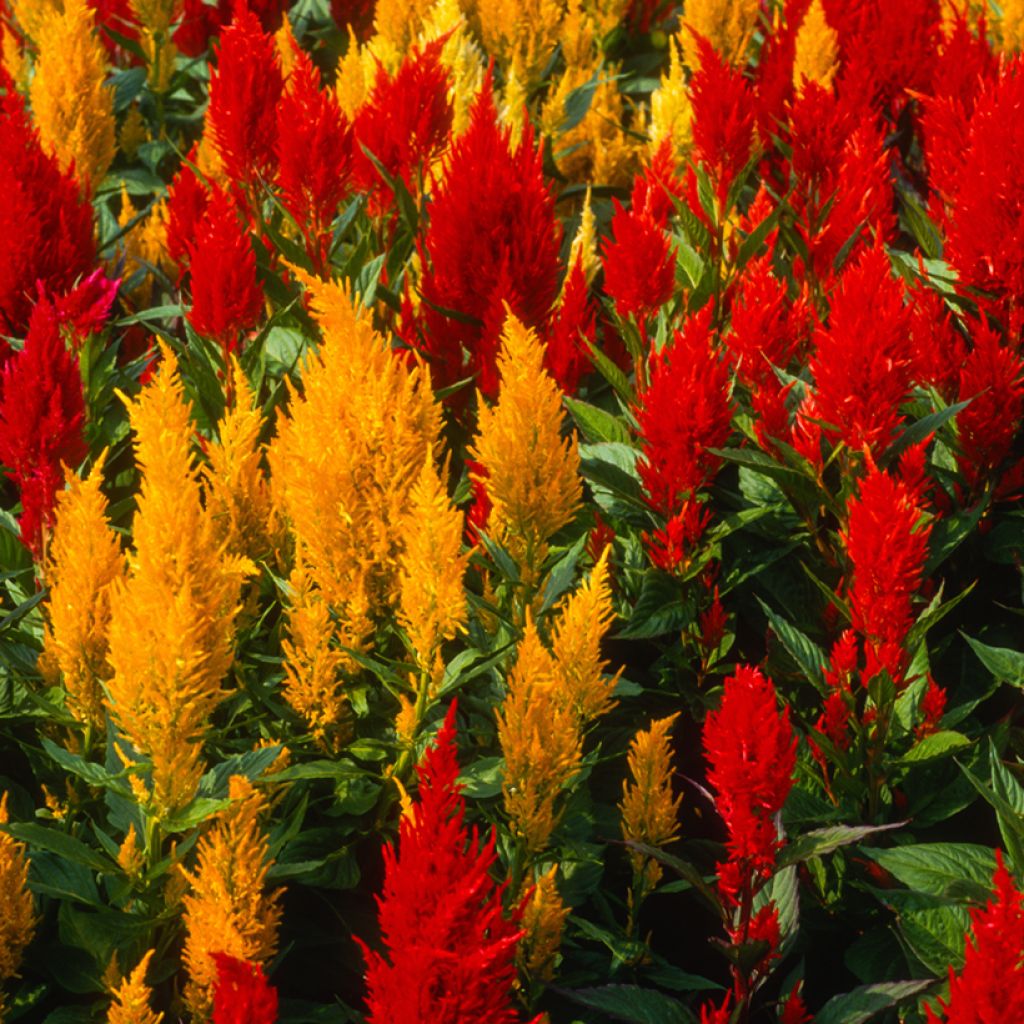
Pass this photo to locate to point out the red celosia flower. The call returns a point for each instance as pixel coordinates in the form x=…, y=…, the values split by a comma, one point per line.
x=887, y=548
x=187, y=199
x=723, y=118
x=492, y=238
x=990, y=986
x=45, y=223
x=711, y=1014
x=933, y=707
x=684, y=410
x=314, y=150
x=713, y=622
x=639, y=267
x=864, y=361
x=835, y=719
x=480, y=511
x=965, y=62
x=673, y=547
x=226, y=296
x=404, y=123
x=245, y=88
x=939, y=348
x=794, y=1011
x=751, y=752
x=567, y=356
x=85, y=309
x=117, y=16
x=355, y=13
x=241, y=994
x=42, y=414
x=601, y=535
x=200, y=21
x=450, y=949
x=991, y=379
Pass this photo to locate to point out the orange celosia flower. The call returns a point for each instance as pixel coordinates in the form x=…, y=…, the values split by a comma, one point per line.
x=726, y=24
x=540, y=739
x=816, y=50
x=543, y=922
x=72, y=106
x=172, y=620
x=531, y=473
x=18, y=920
x=132, y=997
x=228, y=909
x=85, y=559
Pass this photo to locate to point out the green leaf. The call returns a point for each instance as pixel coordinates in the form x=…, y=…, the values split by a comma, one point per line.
x=1006, y=665
x=863, y=1003
x=577, y=103
x=935, y=935
x=40, y=837
x=482, y=778
x=198, y=811
x=561, y=577
x=251, y=764
x=94, y=774
x=661, y=608
x=940, y=869
x=611, y=466
x=801, y=648
x=938, y=744
x=596, y=424
x=633, y=1004
x=1006, y=797
x=827, y=840
x=924, y=427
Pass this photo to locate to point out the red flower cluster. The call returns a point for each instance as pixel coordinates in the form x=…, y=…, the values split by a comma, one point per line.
x=450, y=949
x=990, y=987
x=241, y=994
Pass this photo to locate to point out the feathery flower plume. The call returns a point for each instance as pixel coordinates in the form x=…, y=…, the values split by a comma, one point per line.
x=520, y=33
x=18, y=921
x=990, y=986
x=543, y=922
x=46, y=225
x=245, y=88
x=241, y=994
x=671, y=111
x=172, y=619
x=42, y=416
x=572, y=331
x=887, y=546
x=817, y=49
x=650, y=814
x=237, y=490
x=576, y=646
x=865, y=357
x=431, y=595
x=750, y=748
x=187, y=199
x=450, y=949
x=85, y=558
x=226, y=296
x=492, y=239
x=132, y=998
x=531, y=475
x=540, y=740
x=227, y=909
x=727, y=25
x=639, y=266
x=72, y=105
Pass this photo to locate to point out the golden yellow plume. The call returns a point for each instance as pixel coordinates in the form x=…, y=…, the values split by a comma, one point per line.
x=531, y=475
x=1011, y=26
x=172, y=620
x=72, y=106
x=525, y=31
x=584, y=619
x=18, y=920
x=727, y=24
x=29, y=14
x=584, y=243
x=817, y=49
x=649, y=812
x=543, y=923
x=131, y=1003
x=540, y=740
x=85, y=559
x=355, y=78
x=461, y=55
x=671, y=110
x=228, y=909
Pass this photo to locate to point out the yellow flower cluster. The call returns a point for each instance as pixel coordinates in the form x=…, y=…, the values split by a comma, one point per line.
x=85, y=560
x=18, y=918
x=522, y=33
x=817, y=49
x=172, y=619
x=72, y=105
x=727, y=24
x=227, y=908
x=131, y=999
x=543, y=923
x=671, y=110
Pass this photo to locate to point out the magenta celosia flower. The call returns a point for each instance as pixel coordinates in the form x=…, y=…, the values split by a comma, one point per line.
x=42, y=416
x=492, y=239
x=226, y=296
x=864, y=362
x=990, y=986
x=241, y=994
x=245, y=87
x=751, y=752
x=887, y=547
x=450, y=950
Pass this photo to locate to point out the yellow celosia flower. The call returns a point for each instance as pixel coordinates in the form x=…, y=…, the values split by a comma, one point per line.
x=30, y=14
x=131, y=1003
x=354, y=80
x=540, y=740
x=286, y=44
x=605, y=15
x=576, y=645
x=531, y=475
x=208, y=159
x=543, y=922
x=237, y=490
x=1011, y=26
x=525, y=31
x=671, y=110
x=817, y=49
x=228, y=909
x=133, y=133
x=72, y=106
x=460, y=55
x=129, y=856
x=85, y=559
x=727, y=24
x=649, y=811
x=156, y=15
x=18, y=918
x=431, y=597
x=172, y=620
x=145, y=243
x=13, y=56
x=160, y=54
x=344, y=462
x=513, y=112
x=584, y=244
x=397, y=25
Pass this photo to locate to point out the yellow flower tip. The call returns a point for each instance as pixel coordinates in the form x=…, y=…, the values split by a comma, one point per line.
x=18, y=920
x=817, y=49
x=132, y=998
x=584, y=243
x=543, y=923
x=129, y=856
x=727, y=24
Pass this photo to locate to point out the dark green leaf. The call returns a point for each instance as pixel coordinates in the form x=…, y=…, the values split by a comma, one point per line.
x=633, y=1004
x=863, y=1003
